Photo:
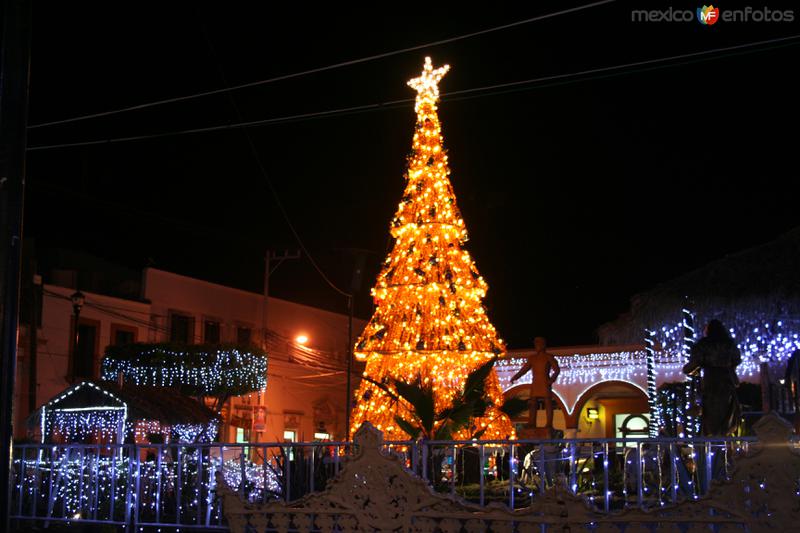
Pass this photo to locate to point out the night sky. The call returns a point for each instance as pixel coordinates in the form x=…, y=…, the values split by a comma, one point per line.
x=576, y=194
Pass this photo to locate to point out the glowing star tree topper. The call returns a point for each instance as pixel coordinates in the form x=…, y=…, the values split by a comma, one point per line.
x=429, y=320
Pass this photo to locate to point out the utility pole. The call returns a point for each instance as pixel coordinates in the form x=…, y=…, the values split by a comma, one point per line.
x=33, y=337
x=349, y=356
x=14, y=76
x=355, y=287
x=269, y=257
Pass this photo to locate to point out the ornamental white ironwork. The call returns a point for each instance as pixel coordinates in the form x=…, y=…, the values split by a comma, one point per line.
x=375, y=492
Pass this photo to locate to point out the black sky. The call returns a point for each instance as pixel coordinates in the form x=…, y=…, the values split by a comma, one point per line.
x=576, y=195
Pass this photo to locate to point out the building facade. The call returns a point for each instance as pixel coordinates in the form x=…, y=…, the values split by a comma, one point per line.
x=603, y=391
x=306, y=346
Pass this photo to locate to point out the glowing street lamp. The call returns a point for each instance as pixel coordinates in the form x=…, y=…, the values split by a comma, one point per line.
x=301, y=339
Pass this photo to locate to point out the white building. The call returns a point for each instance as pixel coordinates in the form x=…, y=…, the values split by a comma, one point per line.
x=306, y=349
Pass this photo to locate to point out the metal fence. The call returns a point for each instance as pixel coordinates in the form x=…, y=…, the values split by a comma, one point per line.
x=610, y=474
x=173, y=485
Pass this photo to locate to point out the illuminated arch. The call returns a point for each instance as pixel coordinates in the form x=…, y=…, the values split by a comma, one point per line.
x=581, y=399
x=515, y=390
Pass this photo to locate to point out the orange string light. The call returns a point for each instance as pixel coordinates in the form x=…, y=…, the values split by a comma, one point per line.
x=429, y=319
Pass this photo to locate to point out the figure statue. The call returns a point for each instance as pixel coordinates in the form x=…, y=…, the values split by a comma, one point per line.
x=717, y=356
x=544, y=369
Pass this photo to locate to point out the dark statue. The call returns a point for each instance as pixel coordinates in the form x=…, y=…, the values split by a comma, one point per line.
x=544, y=372
x=717, y=356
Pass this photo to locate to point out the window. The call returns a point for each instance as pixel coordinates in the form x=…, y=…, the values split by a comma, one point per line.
x=84, y=356
x=242, y=435
x=632, y=425
x=122, y=334
x=181, y=328
x=289, y=435
x=321, y=433
x=211, y=332
x=243, y=335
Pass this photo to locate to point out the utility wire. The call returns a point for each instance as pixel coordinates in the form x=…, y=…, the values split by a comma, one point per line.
x=322, y=69
x=136, y=320
x=102, y=204
x=295, y=360
x=634, y=64
x=489, y=90
x=265, y=174
x=261, y=122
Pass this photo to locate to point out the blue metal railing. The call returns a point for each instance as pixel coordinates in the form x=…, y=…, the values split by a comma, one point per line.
x=173, y=485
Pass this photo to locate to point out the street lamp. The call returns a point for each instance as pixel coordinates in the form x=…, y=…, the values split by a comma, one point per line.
x=78, y=299
x=301, y=339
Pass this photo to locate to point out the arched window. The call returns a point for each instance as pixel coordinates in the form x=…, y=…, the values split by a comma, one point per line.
x=634, y=425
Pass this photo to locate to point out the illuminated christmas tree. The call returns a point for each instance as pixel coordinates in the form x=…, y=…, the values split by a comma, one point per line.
x=429, y=320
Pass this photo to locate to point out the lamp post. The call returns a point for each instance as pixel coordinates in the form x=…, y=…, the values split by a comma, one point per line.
x=78, y=299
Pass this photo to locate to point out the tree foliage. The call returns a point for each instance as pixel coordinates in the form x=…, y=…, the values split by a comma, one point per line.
x=471, y=403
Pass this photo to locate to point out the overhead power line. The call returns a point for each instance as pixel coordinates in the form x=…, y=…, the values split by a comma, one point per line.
x=321, y=69
x=315, y=359
x=489, y=90
x=264, y=174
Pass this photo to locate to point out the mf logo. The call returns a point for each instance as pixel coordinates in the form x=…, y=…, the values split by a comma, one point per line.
x=707, y=15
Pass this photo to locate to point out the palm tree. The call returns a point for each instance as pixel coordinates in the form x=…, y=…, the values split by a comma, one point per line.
x=472, y=402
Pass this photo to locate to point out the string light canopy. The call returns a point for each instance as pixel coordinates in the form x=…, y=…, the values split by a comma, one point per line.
x=104, y=412
x=198, y=370
x=657, y=368
x=68, y=420
x=429, y=320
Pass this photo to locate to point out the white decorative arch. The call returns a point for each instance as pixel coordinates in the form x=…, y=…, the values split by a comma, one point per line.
x=593, y=385
x=585, y=367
